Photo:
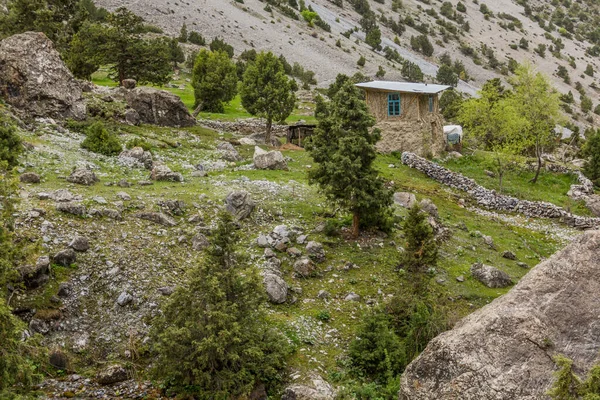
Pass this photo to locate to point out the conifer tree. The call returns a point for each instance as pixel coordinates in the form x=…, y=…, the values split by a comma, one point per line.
x=591, y=168
x=214, y=79
x=183, y=34
x=213, y=338
x=421, y=249
x=267, y=92
x=343, y=147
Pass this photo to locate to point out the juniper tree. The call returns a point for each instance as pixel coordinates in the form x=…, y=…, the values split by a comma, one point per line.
x=343, y=147
x=591, y=168
x=214, y=79
x=267, y=92
x=421, y=249
x=213, y=338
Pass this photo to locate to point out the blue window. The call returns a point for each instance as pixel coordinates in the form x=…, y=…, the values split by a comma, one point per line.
x=393, y=104
x=430, y=103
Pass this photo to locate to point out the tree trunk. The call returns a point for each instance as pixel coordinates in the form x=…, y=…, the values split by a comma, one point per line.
x=121, y=76
x=197, y=110
x=500, y=172
x=538, y=153
x=355, y=223
x=268, y=132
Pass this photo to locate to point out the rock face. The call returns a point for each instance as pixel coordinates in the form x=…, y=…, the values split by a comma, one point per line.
x=34, y=79
x=490, y=276
x=159, y=107
x=268, y=159
x=503, y=350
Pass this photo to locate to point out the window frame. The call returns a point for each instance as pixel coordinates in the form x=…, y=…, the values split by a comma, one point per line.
x=391, y=105
x=431, y=103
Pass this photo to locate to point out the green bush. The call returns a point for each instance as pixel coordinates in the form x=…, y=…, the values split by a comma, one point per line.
x=323, y=315
x=592, y=165
x=10, y=142
x=138, y=142
x=421, y=249
x=100, y=140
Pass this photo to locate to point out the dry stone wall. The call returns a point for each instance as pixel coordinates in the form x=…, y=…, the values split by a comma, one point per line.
x=492, y=200
x=243, y=126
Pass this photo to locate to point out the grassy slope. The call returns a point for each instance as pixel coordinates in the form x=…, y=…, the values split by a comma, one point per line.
x=319, y=344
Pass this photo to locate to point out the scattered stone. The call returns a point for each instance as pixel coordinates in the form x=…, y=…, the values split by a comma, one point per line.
x=247, y=141
x=129, y=83
x=405, y=199
x=100, y=200
x=509, y=255
x=80, y=243
x=522, y=265
x=301, y=239
x=430, y=208
x=83, y=177
x=261, y=241
x=35, y=80
x=352, y=297
x=268, y=159
x=276, y=288
x=239, y=204
x=164, y=173
x=460, y=278
x=158, y=218
x=136, y=157
x=280, y=246
x=200, y=242
x=166, y=290
x=62, y=196
x=173, y=207
x=65, y=258
x=294, y=252
x=112, y=374
x=269, y=253
x=315, y=251
x=64, y=289
x=304, y=267
x=29, y=177
x=124, y=299
x=159, y=107
x=108, y=213
x=489, y=241
x=323, y=294
x=199, y=174
x=123, y=196
x=490, y=276
x=319, y=390
x=123, y=183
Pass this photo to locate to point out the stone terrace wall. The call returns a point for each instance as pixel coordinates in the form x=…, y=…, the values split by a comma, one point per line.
x=490, y=199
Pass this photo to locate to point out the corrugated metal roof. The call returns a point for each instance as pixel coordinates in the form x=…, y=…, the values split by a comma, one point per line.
x=409, y=87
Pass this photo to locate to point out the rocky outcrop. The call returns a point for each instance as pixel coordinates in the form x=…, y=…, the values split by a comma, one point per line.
x=268, y=159
x=35, y=80
x=159, y=107
x=492, y=200
x=504, y=350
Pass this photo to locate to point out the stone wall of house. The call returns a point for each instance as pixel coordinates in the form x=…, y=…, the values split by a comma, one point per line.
x=492, y=200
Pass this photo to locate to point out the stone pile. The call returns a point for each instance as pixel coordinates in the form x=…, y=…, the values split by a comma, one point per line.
x=243, y=126
x=492, y=200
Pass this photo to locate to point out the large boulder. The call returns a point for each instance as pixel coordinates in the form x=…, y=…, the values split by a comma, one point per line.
x=405, y=199
x=504, y=350
x=159, y=107
x=490, y=276
x=136, y=157
x=318, y=389
x=35, y=80
x=164, y=173
x=268, y=159
x=83, y=176
x=276, y=288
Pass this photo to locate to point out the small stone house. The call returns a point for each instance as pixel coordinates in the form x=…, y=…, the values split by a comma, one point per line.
x=408, y=116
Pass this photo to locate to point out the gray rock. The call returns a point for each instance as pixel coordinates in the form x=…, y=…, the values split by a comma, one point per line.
x=592, y=202
x=164, y=173
x=159, y=107
x=200, y=242
x=66, y=257
x=261, y=241
x=460, y=278
x=173, y=207
x=509, y=255
x=35, y=80
x=80, y=243
x=158, y=218
x=490, y=276
x=228, y=152
x=276, y=288
x=239, y=204
x=132, y=117
x=166, y=290
x=64, y=289
x=294, y=252
x=405, y=199
x=430, y=208
x=123, y=183
x=124, y=299
x=112, y=374
x=83, y=176
x=504, y=350
x=29, y=177
x=304, y=267
x=301, y=239
x=268, y=159
x=108, y=213
x=315, y=251
x=100, y=200
x=318, y=390
x=489, y=241
x=274, y=263
x=136, y=157
x=269, y=253
x=62, y=195
x=199, y=174
x=523, y=265
x=37, y=275
x=123, y=196
x=352, y=297
x=323, y=294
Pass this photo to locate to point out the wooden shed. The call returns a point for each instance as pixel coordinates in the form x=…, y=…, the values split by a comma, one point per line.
x=408, y=116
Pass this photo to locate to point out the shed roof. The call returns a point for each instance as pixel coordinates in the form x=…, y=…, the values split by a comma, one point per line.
x=407, y=87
